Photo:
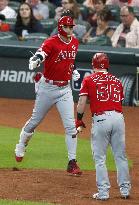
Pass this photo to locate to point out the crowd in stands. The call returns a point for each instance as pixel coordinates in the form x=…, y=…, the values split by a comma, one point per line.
x=26, y=22
x=102, y=27
x=100, y=22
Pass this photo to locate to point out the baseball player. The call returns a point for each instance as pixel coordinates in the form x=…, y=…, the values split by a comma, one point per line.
x=58, y=54
x=105, y=93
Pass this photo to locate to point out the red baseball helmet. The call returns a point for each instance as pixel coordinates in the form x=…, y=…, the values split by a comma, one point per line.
x=64, y=21
x=100, y=61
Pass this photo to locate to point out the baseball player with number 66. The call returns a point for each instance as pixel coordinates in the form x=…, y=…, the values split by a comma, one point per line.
x=58, y=54
x=105, y=93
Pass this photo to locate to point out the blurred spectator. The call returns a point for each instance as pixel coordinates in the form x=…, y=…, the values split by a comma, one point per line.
x=99, y=5
x=3, y=26
x=40, y=10
x=80, y=28
x=127, y=33
x=68, y=5
x=7, y=11
x=103, y=18
x=89, y=4
x=122, y=3
x=26, y=22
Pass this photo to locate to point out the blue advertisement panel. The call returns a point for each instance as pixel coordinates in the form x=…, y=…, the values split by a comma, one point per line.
x=83, y=73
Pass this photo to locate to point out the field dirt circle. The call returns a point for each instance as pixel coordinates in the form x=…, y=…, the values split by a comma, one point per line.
x=57, y=186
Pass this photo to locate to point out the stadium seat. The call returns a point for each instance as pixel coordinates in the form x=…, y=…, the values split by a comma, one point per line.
x=84, y=11
x=80, y=1
x=52, y=8
x=84, y=23
x=49, y=25
x=11, y=22
x=14, y=5
x=8, y=35
x=36, y=37
x=113, y=24
x=19, y=1
x=115, y=10
x=136, y=11
x=99, y=41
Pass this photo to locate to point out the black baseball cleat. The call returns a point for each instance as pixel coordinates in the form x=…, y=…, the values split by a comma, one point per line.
x=73, y=168
x=125, y=196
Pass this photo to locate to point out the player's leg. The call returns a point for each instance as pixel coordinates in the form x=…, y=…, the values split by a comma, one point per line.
x=118, y=147
x=42, y=104
x=65, y=106
x=99, y=143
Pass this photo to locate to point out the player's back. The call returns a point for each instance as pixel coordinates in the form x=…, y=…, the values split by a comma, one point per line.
x=105, y=92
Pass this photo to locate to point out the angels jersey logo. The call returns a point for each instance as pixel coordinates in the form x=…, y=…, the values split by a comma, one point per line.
x=63, y=55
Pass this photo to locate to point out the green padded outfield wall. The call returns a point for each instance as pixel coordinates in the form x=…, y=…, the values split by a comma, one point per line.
x=16, y=79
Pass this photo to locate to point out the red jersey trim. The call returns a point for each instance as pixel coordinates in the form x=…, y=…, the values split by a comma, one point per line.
x=41, y=52
x=83, y=94
x=63, y=40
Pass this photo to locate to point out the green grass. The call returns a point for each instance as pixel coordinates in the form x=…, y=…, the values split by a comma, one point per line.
x=9, y=202
x=45, y=151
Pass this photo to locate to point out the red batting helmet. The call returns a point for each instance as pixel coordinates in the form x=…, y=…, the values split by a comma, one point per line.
x=100, y=61
x=64, y=21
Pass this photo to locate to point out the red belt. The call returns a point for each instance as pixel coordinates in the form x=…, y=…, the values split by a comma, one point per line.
x=103, y=112
x=58, y=83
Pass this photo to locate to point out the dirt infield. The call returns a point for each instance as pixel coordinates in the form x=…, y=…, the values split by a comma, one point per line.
x=56, y=186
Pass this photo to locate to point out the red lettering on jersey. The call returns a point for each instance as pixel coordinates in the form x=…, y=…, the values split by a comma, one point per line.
x=59, y=62
x=65, y=55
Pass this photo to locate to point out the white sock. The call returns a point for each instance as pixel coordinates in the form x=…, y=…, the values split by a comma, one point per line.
x=71, y=146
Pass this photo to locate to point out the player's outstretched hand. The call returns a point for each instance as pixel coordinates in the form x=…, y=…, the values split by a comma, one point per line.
x=75, y=75
x=34, y=62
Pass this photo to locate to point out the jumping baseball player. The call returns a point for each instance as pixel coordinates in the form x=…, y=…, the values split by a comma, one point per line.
x=105, y=93
x=58, y=54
